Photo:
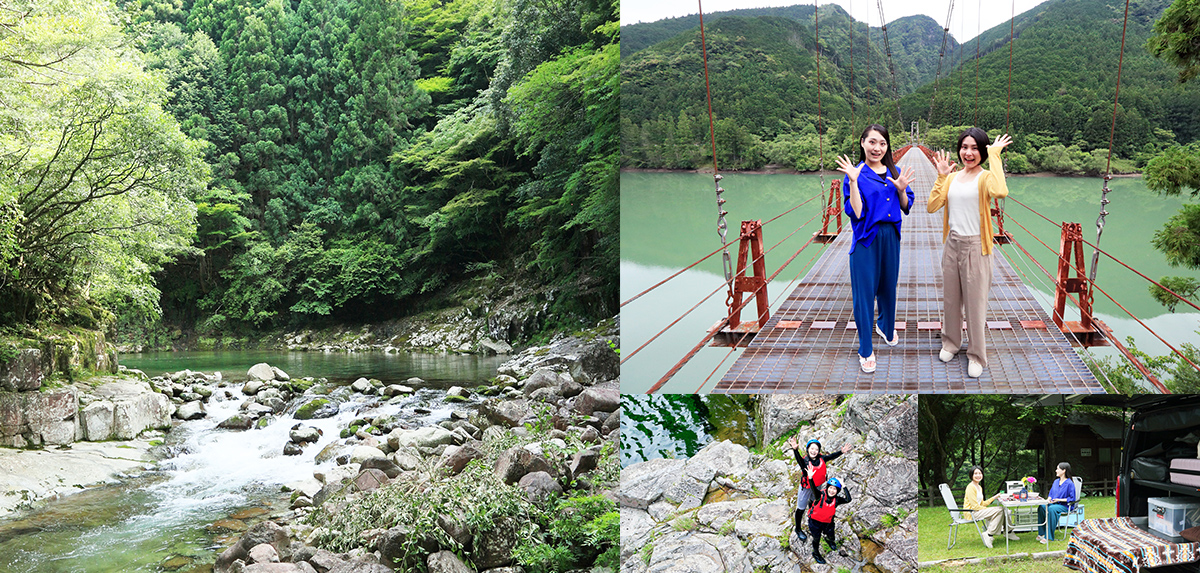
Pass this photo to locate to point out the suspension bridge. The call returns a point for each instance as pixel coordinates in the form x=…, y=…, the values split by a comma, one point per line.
x=810, y=344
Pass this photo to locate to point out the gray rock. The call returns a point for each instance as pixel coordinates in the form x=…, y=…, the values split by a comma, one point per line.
x=237, y=422
x=508, y=413
x=722, y=458
x=782, y=413
x=24, y=372
x=454, y=461
x=495, y=549
x=583, y=461
x=280, y=374
x=458, y=391
x=516, y=462
x=360, y=567
x=191, y=411
x=38, y=418
x=769, y=519
x=612, y=422
x=252, y=387
x=362, y=386
x=598, y=400
x=489, y=347
x=97, y=421
x=324, y=560
x=597, y=362
x=292, y=449
x=643, y=483
x=261, y=371
x=457, y=531
x=263, y=553
x=505, y=380
x=548, y=394
x=396, y=390
x=692, y=552
x=362, y=453
x=272, y=568
x=589, y=435
x=540, y=487
x=134, y=414
x=427, y=437
x=540, y=379
x=383, y=464
x=191, y=397
x=303, y=434
x=446, y=562
x=570, y=389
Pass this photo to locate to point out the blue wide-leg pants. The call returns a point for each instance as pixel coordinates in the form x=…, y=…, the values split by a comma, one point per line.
x=874, y=271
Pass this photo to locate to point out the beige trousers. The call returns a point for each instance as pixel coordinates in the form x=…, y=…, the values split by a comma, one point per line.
x=966, y=279
x=994, y=516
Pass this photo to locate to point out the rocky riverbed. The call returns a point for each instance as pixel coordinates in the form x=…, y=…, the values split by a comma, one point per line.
x=504, y=462
x=728, y=509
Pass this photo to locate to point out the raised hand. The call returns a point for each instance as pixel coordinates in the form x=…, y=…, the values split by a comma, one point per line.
x=941, y=161
x=794, y=443
x=907, y=174
x=847, y=166
x=846, y=448
x=1002, y=142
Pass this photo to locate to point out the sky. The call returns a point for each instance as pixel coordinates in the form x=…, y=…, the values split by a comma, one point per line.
x=967, y=21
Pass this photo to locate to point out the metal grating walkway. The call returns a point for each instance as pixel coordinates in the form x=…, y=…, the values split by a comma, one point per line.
x=809, y=346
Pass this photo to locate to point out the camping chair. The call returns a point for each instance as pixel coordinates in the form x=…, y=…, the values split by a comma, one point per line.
x=1072, y=518
x=956, y=517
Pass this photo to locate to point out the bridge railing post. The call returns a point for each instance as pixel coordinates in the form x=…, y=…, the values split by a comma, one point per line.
x=831, y=209
x=751, y=245
x=1072, y=279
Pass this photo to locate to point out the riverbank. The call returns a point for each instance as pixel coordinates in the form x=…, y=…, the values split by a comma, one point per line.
x=29, y=478
x=533, y=446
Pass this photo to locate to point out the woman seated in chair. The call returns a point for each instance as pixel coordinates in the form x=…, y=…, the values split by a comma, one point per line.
x=974, y=501
x=1062, y=499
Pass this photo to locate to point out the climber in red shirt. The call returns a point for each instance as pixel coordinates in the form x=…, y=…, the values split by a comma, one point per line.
x=820, y=515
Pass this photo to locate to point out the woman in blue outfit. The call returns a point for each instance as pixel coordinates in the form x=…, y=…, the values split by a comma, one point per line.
x=1062, y=499
x=877, y=194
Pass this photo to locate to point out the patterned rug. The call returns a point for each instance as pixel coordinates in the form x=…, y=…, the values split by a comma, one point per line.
x=1117, y=545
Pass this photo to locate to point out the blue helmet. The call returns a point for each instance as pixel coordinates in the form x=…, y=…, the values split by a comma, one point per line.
x=811, y=442
x=833, y=482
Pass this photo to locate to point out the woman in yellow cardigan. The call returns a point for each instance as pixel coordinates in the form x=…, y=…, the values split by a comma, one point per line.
x=993, y=516
x=963, y=197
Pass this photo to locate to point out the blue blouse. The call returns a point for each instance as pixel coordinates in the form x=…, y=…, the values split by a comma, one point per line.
x=880, y=204
x=1063, y=490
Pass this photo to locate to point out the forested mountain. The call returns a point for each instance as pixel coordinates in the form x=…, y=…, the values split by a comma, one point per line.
x=347, y=159
x=764, y=89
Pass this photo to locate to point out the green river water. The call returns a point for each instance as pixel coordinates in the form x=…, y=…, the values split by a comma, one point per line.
x=668, y=221
x=161, y=521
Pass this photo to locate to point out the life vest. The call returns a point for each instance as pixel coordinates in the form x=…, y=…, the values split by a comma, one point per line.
x=818, y=473
x=823, y=508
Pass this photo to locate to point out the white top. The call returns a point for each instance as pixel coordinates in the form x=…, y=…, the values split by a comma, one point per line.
x=962, y=203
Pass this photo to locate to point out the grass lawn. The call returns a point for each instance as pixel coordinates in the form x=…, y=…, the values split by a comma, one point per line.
x=934, y=525
x=1015, y=565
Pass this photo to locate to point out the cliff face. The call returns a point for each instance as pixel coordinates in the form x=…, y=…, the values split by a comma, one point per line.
x=729, y=509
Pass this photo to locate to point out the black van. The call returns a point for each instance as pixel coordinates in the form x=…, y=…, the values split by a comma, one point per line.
x=1162, y=428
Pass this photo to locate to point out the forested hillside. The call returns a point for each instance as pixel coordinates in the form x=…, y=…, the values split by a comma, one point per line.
x=260, y=163
x=764, y=90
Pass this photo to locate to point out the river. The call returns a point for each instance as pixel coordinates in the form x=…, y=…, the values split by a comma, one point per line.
x=668, y=221
x=145, y=522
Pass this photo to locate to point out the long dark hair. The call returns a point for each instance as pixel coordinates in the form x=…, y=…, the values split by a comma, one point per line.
x=981, y=141
x=1067, y=467
x=888, y=161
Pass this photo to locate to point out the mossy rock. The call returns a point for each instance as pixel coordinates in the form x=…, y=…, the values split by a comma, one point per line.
x=311, y=409
x=347, y=432
x=455, y=399
x=299, y=386
x=263, y=422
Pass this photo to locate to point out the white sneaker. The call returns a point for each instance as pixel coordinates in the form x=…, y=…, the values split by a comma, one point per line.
x=974, y=369
x=987, y=540
x=1012, y=537
x=945, y=355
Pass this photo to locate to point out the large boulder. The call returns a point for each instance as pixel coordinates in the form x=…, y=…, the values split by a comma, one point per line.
x=362, y=453
x=455, y=460
x=447, y=562
x=508, y=413
x=191, y=411
x=134, y=414
x=540, y=379
x=540, y=487
x=261, y=371
x=97, y=421
x=516, y=462
x=38, y=418
x=265, y=532
x=427, y=437
x=383, y=464
x=598, y=400
x=597, y=362
x=316, y=409
x=23, y=372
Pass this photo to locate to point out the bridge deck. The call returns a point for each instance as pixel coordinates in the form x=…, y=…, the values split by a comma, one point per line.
x=810, y=346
